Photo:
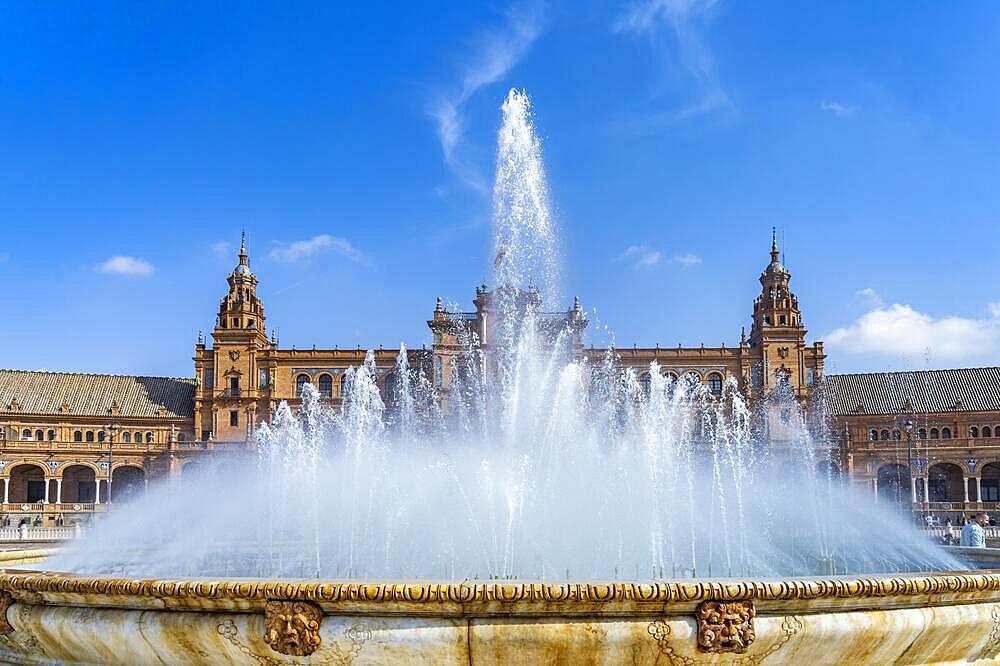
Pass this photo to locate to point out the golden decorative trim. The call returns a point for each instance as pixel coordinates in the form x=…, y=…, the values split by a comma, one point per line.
x=725, y=626
x=494, y=597
x=292, y=627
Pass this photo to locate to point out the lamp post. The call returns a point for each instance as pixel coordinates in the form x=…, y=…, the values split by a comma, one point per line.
x=112, y=431
x=909, y=457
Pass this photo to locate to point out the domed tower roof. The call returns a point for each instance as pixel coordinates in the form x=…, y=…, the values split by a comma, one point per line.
x=243, y=269
x=775, y=267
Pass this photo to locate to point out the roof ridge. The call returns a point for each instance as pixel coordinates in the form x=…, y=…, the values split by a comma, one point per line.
x=910, y=372
x=92, y=374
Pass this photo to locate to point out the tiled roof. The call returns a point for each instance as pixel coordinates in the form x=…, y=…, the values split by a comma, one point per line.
x=927, y=391
x=94, y=395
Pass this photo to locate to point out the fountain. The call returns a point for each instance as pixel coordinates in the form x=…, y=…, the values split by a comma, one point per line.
x=543, y=509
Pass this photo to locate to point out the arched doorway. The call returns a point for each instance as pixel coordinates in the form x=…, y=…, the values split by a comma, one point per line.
x=127, y=483
x=944, y=483
x=79, y=485
x=27, y=484
x=989, y=483
x=894, y=486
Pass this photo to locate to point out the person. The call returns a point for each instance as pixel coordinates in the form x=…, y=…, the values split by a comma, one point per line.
x=949, y=532
x=974, y=532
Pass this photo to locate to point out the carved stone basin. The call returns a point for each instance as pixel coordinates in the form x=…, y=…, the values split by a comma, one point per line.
x=900, y=619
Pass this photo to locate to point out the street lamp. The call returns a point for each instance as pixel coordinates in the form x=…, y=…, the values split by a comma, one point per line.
x=909, y=457
x=112, y=431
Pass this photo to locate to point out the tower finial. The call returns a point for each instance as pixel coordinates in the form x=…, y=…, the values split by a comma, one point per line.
x=774, y=244
x=243, y=247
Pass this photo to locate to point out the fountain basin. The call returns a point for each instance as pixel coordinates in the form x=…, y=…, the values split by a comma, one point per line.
x=916, y=618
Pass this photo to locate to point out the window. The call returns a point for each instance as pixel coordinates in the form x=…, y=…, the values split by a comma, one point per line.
x=873, y=435
x=236, y=323
x=922, y=433
x=137, y=437
x=90, y=435
x=77, y=436
x=262, y=378
x=40, y=436
x=945, y=433
x=209, y=378
x=149, y=438
x=973, y=432
x=127, y=437
x=206, y=435
x=781, y=320
x=810, y=376
x=101, y=436
x=885, y=436
x=986, y=431
x=234, y=386
x=326, y=386
x=234, y=418
x=52, y=435
x=715, y=383
x=300, y=384
x=934, y=433
x=896, y=435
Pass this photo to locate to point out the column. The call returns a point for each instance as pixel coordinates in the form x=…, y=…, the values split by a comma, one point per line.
x=59, y=490
x=875, y=490
x=923, y=480
x=913, y=488
x=6, y=490
x=97, y=492
x=965, y=487
x=48, y=485
x=979, y=489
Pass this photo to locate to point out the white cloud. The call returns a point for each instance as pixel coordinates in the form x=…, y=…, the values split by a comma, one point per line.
x=222, y=249
x=869, y=298
x=680, y=18
x=304, y=249
x=643, y=256
x=900, y=331
x=838, y=109
x=122, y=265
x=687, y=260
x=494, y=53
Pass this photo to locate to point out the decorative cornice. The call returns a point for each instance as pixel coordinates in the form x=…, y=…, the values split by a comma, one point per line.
x=500, y=598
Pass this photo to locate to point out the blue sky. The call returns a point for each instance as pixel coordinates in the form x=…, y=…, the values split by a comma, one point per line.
x=355, y=145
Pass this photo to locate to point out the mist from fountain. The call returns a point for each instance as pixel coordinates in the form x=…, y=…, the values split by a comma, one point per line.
x=535, y=464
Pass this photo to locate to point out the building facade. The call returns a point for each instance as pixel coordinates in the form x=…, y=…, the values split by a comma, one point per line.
x=71, y=442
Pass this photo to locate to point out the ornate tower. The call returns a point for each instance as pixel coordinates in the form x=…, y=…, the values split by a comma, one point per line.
x=778, y=337
x=229, y=379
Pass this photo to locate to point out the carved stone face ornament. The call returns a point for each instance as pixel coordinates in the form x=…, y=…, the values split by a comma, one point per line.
x=292, y=627
x=725, y=626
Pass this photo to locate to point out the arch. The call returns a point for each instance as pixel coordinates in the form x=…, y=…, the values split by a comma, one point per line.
x=945, y=433
x=973, y=432
x=90, y=435
x=102, y=436
x=884, y=436
x=922, y=433
x=77, y=435
x=873, y=435
x=137, y=437
x=149, y=438
x=26, y=435
x=39, y=436
x=987, y=432
x=127, y=437
x=79, y=483
x=300, y=384
x=715, y=383
x=934, y=433
x=893, y=484
x=27, y=482
x=326, y=385
x=52, y=435
x=896, y=435
x=127, y=482
x=645, y=383
x=989, y=482
x=944, y=483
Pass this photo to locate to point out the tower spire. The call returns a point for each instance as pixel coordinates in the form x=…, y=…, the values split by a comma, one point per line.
x=243, y=248
x=774, y=244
